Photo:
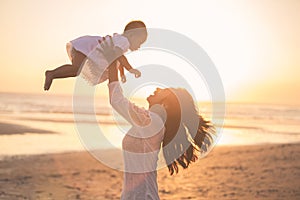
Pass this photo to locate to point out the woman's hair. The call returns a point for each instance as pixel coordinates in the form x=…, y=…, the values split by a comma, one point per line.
x=187, y=133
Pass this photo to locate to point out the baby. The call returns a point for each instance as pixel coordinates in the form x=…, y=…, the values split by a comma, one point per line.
x=91, y=64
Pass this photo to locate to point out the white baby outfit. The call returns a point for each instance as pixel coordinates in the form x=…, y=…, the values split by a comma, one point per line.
x=93, y=69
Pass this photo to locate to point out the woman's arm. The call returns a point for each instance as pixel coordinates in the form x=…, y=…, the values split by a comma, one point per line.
x=133, y=114
x=148, y=122
x=113, y=72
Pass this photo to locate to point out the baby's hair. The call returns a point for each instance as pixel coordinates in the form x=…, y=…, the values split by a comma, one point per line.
x=134, y=24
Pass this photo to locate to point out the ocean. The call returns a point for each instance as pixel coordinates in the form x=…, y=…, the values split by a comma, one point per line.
x=46, y=123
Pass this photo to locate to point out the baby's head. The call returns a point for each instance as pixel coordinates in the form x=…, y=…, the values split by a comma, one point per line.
x=136, y=33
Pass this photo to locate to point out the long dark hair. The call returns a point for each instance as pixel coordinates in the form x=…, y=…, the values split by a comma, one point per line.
x=186, y=132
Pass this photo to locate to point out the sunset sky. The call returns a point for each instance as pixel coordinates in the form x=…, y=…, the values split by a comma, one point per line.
x=254, y=44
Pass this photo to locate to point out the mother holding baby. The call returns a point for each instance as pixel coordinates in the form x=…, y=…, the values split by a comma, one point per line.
x=171, y=123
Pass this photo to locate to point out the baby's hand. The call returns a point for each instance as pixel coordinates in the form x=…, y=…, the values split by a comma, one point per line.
x=136, y=72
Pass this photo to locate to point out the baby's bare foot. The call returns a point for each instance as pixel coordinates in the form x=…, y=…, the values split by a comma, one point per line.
x=48, y=80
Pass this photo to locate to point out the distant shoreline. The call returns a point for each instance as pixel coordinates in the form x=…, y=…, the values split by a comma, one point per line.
x=97, y=95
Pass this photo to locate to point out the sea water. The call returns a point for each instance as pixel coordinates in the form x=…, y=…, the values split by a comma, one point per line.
x=46, y=123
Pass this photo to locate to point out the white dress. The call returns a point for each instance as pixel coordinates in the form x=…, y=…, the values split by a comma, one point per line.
x=140, y=147
x=94, y=67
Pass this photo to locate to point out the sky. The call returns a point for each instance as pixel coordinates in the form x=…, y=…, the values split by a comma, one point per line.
x=255, y=45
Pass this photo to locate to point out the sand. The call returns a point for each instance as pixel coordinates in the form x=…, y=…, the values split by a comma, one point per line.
x=238, y=172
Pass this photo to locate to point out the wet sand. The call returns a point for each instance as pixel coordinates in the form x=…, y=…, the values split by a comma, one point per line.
x=228, y=172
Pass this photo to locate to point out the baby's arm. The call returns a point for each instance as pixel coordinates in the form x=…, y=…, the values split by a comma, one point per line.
x=124, y=62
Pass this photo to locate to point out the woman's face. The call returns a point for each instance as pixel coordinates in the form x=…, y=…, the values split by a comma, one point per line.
x=158, y=96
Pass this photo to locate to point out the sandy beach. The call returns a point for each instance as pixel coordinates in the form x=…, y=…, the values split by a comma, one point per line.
x=236, y=172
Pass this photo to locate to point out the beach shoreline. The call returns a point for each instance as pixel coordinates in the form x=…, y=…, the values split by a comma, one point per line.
x=229, y=172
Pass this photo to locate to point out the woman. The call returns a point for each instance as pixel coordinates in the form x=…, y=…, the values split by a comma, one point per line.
x=171, y=123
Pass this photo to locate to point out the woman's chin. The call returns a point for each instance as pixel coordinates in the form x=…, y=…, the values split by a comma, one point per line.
x=149, y=99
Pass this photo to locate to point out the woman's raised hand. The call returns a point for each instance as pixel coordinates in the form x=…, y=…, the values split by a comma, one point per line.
x=107, y=49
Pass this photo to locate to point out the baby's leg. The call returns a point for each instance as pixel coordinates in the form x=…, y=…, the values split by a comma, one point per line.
x=60, y=72
x=65, y=71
